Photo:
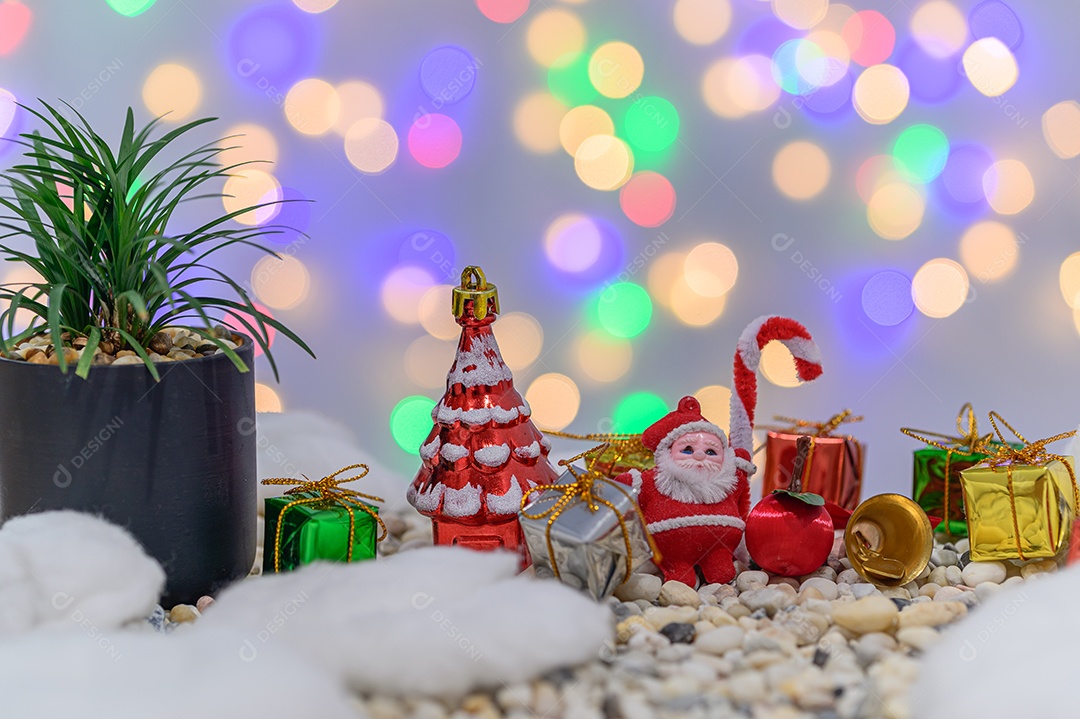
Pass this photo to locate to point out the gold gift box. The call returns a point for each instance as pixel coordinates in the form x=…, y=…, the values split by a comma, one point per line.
x=1044, y=510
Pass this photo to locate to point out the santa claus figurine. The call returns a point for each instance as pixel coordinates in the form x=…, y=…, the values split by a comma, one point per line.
x=696, y=499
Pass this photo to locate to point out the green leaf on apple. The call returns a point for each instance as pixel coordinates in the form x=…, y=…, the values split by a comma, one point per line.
x=815, y=500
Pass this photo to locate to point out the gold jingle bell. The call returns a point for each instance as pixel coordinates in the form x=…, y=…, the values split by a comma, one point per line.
x=889, y=540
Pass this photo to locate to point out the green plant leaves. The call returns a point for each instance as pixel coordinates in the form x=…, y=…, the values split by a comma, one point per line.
x=100, y=220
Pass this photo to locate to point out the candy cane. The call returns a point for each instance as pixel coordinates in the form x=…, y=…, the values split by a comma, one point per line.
x=747, y=361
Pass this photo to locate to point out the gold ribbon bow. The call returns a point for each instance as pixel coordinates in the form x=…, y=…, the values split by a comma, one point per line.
x=327, y=489
x=622, y=446
x=966, y=441
x=795, y=425
x=582, y=489
x=1032, y=454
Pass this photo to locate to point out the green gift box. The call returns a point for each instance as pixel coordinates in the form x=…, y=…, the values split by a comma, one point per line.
x=319, y=521
x=936, y=477
x=931, y=491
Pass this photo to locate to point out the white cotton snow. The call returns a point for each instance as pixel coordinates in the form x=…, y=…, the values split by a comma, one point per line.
x=437, y=621
x=531, y=451
x=98, y=674
x=493, y=456
x=481, y=365
x=61, y=569
x=1011, y=656
x=303, y=442
x=453, y=452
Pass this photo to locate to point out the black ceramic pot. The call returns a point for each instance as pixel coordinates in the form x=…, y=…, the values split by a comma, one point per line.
x=172, y=461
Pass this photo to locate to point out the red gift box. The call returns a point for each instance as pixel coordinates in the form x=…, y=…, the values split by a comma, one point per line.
x=835, y=464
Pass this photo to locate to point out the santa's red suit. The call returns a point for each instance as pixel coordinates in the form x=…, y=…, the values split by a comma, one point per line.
x=692, y=534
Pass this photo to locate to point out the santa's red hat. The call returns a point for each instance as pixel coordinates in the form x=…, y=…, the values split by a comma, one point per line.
x=686, y=418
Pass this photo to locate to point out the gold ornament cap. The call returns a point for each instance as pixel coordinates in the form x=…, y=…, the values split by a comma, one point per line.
x=474, y=286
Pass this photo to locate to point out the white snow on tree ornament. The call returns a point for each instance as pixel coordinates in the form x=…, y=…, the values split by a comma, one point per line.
x=453, y=452
x=479, y=365
x=509, y=503
x=429, y=450
x=427, y=500
x=464, y=502
x=477, y=417
x=493, y=456
x=531, y=451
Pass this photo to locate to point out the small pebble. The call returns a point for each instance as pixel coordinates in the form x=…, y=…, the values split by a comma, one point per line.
x=863, y=589
x=128, y=359
x=918, y=637
x=931, y=614
x=640, y=586
x=953, y=576
x=673, y=593
x=157, y=619
x=767, y=599
x=203, y=603
x=1039, y=566
x=870, y=614
x=944, y=557
x=978, y=572
x=660, y=617
x=183, y=613
x=679, y=632
x=161, y=343
x=720, y=640
x=848, y=576
x=750, y=580
x=826, y=587
x=871, y=647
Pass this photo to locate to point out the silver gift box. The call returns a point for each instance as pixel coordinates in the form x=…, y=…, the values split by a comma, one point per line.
x=589, y=547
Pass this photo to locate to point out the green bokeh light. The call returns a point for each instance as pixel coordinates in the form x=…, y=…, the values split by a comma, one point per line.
x=921, y=151
x=137, y=183
x=624, y=309
x=637, y=411
x=651, y=123
x=568, y=80
x=410, y=422
x=131, y=8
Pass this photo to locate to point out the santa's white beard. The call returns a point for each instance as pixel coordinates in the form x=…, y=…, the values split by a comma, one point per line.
x=693, y=482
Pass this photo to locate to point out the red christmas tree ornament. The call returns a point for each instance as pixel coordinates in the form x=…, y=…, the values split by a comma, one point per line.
x=790, y=532
x=483, y=453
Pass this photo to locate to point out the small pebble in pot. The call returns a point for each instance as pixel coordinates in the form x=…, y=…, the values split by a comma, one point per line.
x=161, y=343
x=679, y=632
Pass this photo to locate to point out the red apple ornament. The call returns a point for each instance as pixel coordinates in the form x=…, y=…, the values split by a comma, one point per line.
x=790, y=532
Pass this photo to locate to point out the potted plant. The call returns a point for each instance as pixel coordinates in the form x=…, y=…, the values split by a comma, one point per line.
x=147, y=417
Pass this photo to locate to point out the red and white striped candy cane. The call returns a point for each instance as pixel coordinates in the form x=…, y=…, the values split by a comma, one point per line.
x=757, y=334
